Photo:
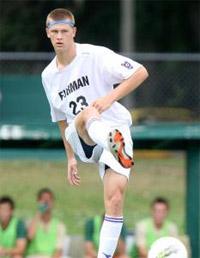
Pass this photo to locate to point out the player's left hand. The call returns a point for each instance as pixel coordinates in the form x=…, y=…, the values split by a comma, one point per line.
x=73, y=175
x=102, y=104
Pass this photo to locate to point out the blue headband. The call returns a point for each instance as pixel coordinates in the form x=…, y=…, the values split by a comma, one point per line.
x=65, y=21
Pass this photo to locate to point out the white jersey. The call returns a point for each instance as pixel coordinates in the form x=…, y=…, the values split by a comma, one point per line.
x=91, y=75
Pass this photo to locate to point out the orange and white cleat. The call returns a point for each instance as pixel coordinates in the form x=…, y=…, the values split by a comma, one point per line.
x=117, y=147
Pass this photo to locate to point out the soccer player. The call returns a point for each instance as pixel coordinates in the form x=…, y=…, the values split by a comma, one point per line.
x=150, y=229
x=46, y=232
x=12, y=230
x=79, y=86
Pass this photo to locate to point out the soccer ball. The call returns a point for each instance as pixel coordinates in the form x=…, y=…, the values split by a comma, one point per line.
x=167, y=247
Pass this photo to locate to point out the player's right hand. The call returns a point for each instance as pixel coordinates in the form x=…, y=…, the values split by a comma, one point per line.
x=2, y=252
x=73, y=175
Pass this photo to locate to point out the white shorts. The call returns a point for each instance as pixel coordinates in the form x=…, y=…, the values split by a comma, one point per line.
x=96, y=154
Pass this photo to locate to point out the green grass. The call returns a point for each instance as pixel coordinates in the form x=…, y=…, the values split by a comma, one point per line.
x=151, y=177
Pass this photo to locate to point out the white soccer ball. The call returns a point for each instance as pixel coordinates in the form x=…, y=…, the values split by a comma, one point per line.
x=167, y=247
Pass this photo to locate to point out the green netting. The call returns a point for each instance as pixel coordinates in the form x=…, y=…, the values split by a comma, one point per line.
x=23, y=100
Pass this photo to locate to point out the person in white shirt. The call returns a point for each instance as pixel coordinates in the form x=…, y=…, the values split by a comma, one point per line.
x=79, y=84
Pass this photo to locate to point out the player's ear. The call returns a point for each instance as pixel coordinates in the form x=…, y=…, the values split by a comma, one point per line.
x=74, y=31
x=47, y=31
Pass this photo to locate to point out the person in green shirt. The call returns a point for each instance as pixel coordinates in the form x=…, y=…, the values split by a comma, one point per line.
x=46, y=233
x=92, y=234
x=148, y=230
x=12, y=230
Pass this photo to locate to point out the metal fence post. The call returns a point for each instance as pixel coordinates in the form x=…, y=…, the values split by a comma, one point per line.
x=193, y=197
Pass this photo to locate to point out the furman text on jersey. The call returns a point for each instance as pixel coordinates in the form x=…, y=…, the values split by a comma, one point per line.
x=73, y=86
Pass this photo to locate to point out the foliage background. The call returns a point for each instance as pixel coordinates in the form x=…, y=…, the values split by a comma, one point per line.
x=160, y=25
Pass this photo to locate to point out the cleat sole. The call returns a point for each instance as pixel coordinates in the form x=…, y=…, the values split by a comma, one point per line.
x=118, y=149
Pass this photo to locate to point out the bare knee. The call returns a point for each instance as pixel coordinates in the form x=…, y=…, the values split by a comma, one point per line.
x=85, y=115
x=88, y=113
x=81, y=121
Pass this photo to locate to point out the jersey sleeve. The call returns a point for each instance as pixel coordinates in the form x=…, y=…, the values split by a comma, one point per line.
x=61, y=233
x=173, y=230
x=140, y=234
x=21, y=230
x=89, y=230
x=123, y=233
x=116, y=67
x=56, y=115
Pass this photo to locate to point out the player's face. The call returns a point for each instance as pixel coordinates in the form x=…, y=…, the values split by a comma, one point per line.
x=159, y=213
x=61, y=36
x=46, y=199
x=5, y=212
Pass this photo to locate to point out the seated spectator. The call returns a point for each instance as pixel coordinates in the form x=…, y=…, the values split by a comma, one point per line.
x=12, y=230
x=45, y=232
x=92, y=232
x=150, y=229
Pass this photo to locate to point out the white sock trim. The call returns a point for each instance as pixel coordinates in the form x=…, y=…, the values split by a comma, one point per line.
x=114, y=219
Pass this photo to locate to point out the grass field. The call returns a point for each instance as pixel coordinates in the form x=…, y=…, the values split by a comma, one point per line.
x=151, y=177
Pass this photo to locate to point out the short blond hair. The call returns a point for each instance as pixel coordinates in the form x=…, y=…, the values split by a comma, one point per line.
x=60, y=14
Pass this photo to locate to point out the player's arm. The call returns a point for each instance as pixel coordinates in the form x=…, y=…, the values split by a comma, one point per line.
x=140, y=237
x=121, y=248
x=73, y=176
x=124, y=88
x=90, y=251
x=142, y=251
x=20, y=244
x=32, y=227
x=129, y=85
x=69, y=152
x=61, y=232
x=57, y=253
x=18, y=250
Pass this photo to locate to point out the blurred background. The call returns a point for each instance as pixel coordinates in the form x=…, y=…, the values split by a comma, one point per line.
x=162, y=35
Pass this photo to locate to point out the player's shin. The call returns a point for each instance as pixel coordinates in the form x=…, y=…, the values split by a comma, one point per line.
x=109, y=236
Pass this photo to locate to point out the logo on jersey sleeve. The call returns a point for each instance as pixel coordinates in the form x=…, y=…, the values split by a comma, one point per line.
x=127, y=65
x=73, y=86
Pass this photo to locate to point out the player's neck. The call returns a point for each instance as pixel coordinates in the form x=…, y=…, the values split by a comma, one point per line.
x=4, y=224
x=46, y=217
x=65, y=57
x=158, y=225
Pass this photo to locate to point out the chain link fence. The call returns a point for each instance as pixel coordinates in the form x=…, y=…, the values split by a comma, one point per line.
x=171, y=93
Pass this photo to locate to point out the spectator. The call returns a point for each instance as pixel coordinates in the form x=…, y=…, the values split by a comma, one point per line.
x=150, y=229
x=92, y=232
x=12, y=230
x=45, y=233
